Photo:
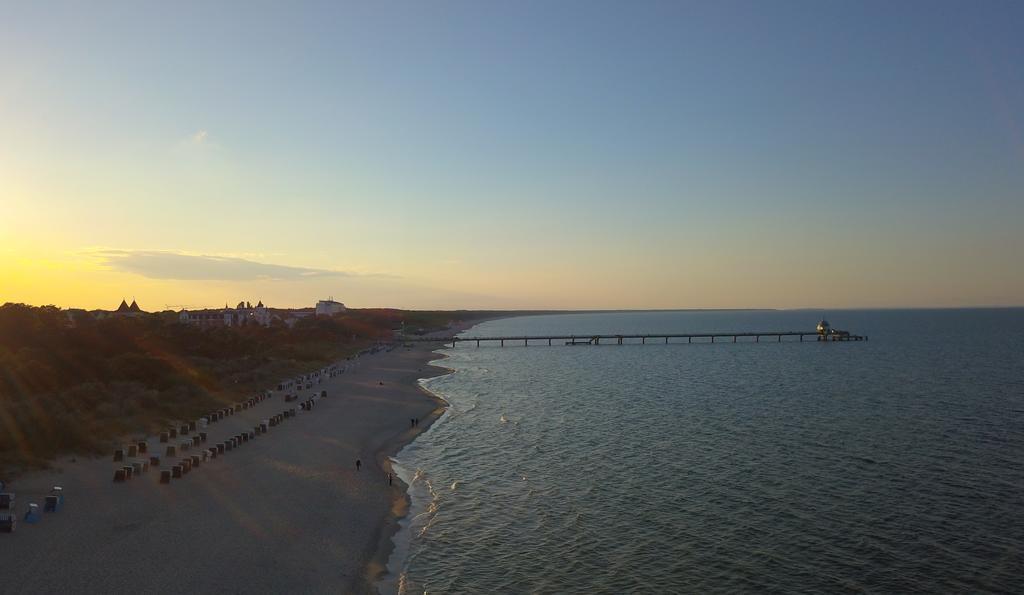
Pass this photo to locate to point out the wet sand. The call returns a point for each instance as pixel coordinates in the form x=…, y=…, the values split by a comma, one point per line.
x=284, y=513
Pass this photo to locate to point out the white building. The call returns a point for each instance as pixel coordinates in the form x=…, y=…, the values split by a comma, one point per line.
x=329, y=307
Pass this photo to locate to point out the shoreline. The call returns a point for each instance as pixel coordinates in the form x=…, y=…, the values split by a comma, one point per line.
x=377, y=567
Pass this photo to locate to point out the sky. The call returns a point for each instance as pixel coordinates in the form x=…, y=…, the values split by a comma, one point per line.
x=518, y=155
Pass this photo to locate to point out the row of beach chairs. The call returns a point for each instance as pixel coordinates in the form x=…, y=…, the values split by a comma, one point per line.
x=136, y=458
x=9, y=516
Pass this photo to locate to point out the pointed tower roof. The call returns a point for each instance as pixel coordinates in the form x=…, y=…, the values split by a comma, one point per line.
x=260, y=305
x=123, y=307
x=134, y=307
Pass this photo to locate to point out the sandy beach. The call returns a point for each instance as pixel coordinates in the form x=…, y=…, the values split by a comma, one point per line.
x=284, y=513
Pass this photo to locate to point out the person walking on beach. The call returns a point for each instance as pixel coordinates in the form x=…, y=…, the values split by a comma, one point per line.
x=389, y=479
x=358, y=464
x=412, y=422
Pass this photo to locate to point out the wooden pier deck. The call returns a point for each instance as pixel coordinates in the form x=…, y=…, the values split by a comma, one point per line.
x=735, y=337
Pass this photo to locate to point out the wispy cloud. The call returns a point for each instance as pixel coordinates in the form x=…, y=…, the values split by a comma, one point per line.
x=199, y=145
x=160, y=264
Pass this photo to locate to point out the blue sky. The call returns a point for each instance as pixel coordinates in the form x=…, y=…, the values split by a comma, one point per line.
x=739, y=148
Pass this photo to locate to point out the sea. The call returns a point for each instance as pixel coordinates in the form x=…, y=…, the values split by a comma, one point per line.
x=892, y=465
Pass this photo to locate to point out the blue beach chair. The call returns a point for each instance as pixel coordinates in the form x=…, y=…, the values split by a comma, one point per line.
x=33, y=515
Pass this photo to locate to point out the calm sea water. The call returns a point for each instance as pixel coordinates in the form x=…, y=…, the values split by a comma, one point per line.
x=894, y=465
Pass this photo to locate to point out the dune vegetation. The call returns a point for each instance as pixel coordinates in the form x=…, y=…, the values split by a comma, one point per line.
x=74, y=384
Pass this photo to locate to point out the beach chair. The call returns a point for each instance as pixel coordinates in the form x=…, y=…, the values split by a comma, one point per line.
x=8, y=522
x=55, y=501
x=32, y=515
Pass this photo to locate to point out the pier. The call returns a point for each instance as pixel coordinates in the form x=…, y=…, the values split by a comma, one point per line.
x=643, y=339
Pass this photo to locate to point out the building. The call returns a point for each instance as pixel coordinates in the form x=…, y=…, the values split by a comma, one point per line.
x=241, y=315
x=329, y=307
x=125, y=310
x=203, y=318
